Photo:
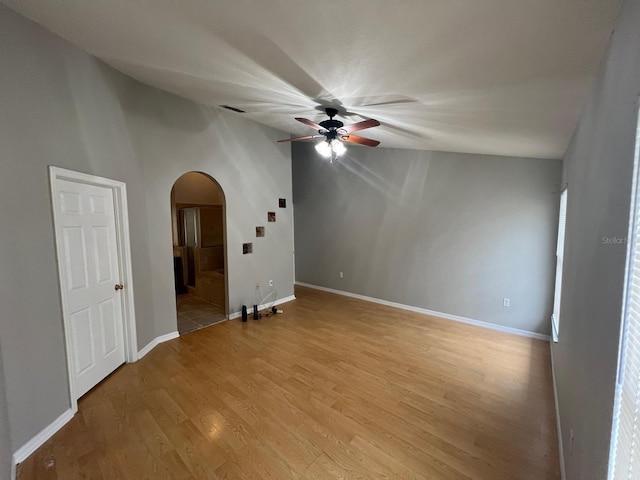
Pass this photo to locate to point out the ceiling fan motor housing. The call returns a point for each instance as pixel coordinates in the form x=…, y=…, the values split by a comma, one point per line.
x=328, y=124
x=331, y=125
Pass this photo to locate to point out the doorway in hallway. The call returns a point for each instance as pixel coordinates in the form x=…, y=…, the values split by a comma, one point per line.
x=198, y=216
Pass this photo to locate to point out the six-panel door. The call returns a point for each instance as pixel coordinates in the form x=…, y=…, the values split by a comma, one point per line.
x=86, y=232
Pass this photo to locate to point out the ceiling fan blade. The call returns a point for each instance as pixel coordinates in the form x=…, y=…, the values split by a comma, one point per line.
x=361, y=125
x=310, y=123
x=361, y=140
x=295, y=139
x=378, y=100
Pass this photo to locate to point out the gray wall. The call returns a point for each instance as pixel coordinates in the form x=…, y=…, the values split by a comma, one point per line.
x=62, y=107
x=598, y=167
x=5, y=437
x=454, y=233
x=171, y=136
x=59, y=107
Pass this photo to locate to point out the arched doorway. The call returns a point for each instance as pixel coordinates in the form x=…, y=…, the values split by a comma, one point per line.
x=198, y=224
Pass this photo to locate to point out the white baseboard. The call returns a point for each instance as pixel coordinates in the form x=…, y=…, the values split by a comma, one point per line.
x=156, y=341
x=36, y=442
x=563, y=473
x=280, y=301
x=470, y=321
x=260, y=307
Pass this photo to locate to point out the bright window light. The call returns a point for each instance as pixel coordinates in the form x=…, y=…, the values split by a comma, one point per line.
x=555, y=318
x=625, y=444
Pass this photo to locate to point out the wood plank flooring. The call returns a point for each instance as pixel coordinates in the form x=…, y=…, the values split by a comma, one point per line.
x=333, y=388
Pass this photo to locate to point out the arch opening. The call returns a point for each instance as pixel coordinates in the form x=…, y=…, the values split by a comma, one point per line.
x=199, y=251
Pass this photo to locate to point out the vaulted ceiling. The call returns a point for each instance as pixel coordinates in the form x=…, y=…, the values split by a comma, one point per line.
x=505, y=77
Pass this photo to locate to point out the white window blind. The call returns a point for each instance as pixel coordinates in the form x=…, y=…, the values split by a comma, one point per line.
x=625, y=451
x=555, y=318
x=627, y=436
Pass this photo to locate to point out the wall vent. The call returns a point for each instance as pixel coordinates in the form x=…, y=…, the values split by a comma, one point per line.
x=233, y=109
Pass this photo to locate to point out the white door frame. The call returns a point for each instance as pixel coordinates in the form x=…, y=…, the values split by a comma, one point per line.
x=124, y=262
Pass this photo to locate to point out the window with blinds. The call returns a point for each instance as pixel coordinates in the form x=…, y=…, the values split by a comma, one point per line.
x=625, y=441
x=555, y=318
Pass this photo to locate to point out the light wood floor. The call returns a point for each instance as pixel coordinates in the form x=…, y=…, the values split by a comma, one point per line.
x=333, y=388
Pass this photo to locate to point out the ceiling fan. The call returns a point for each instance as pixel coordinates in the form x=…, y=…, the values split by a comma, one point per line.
x=335, y=133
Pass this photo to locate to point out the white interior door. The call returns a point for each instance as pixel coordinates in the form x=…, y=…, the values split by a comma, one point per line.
x=91, y=281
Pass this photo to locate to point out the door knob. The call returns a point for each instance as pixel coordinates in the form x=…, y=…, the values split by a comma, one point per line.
x=119, y=286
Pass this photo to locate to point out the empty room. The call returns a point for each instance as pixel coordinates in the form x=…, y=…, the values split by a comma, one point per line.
x=319, y=240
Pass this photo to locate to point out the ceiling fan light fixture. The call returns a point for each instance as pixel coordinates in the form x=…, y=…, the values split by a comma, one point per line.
x=338, y=147
x=336, y=134
x=324, y=149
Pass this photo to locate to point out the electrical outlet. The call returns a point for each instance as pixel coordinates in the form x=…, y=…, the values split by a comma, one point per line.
x=506, y=302
x=271, y=283
x=341, y=275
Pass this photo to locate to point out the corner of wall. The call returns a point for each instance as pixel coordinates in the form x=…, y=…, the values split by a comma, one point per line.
x=155, y=342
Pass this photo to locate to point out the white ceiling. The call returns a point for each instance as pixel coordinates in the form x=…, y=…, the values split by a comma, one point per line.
x=505, y=77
